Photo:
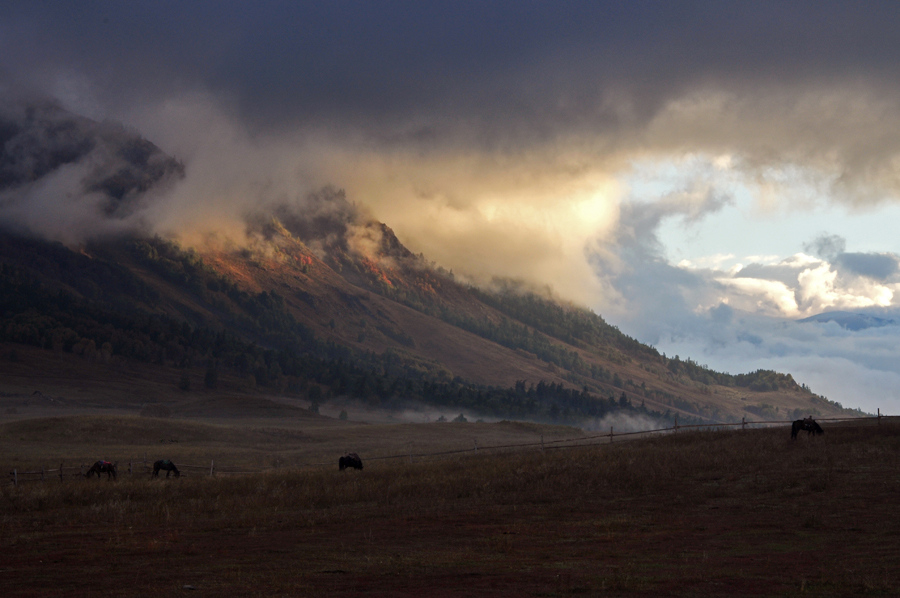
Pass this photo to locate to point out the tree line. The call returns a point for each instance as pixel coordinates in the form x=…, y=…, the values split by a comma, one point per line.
x=96, y=308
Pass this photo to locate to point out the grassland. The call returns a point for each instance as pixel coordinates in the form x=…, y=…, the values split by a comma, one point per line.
x=739, y=513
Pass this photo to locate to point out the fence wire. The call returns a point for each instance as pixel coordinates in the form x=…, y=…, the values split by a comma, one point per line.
x=17, y=477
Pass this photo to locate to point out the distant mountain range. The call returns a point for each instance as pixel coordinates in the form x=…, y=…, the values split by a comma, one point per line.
x=851, y=320
x=319, y=302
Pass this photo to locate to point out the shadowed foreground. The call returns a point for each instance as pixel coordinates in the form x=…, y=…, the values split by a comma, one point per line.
x=712, y=513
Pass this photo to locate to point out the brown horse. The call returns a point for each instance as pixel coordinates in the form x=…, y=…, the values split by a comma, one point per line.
x=350, y=460
x=808, y=424
x=167, y=466
x=103, y=467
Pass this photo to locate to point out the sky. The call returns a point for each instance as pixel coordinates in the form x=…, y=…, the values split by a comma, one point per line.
x=701, y=174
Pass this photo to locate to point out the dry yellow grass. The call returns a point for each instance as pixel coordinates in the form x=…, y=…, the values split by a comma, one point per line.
x=256, y=444
x=698, y=513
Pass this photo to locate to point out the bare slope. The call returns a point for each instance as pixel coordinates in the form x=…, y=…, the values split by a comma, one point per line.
x=379, y=313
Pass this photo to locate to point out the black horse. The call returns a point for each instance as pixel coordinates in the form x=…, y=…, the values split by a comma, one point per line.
x=350, y=460
x=103, y=467
x=167, y=466
x=808, y=424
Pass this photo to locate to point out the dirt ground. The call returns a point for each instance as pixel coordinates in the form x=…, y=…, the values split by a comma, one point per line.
x=624, y=549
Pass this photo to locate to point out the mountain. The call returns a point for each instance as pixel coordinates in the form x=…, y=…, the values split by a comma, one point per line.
x=38, y=139
x=319, y=304
x=387, y=330
x=851, y=320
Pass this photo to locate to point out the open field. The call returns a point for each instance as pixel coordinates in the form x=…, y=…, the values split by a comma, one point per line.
x=737, y=513
x=246, y=444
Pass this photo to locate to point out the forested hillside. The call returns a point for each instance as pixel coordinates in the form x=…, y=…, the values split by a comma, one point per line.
x=287, y=323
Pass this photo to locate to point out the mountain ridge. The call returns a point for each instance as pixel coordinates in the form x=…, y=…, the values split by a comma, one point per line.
x=851, y=320
x=291, y=317
x=322, y=302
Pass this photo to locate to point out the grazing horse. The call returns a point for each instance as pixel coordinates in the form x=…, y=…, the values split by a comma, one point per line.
x=808, y=424
x=103, y=467
x=350, y=460
x=166, y=465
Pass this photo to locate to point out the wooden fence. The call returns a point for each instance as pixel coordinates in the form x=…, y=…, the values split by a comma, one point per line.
x=145, y=467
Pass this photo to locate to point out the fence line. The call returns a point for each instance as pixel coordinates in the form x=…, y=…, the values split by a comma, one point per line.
x=17, y=477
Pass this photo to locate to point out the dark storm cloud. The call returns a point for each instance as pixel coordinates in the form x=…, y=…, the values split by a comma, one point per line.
x=475, y=128
x=504, y=67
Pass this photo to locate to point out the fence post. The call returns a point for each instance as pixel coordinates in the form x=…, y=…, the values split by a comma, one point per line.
x=15, y=477
x=743, y=423
x=476, y=445
x=42, y=473
x=610, y=434
x=676, y=424
x=60, y=472
x=879, y=416
x=542, y=443
x=211, y=466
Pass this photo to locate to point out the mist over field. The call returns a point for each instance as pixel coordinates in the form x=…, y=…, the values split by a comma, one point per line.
x=702, y=175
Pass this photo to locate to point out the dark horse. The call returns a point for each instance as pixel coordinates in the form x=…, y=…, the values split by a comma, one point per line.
x=350, y=460
x=166, y=465
x=808, y=424
x=102, y=467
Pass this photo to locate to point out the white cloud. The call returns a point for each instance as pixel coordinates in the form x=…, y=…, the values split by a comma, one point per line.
x=770, y=297
x=740, y=318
